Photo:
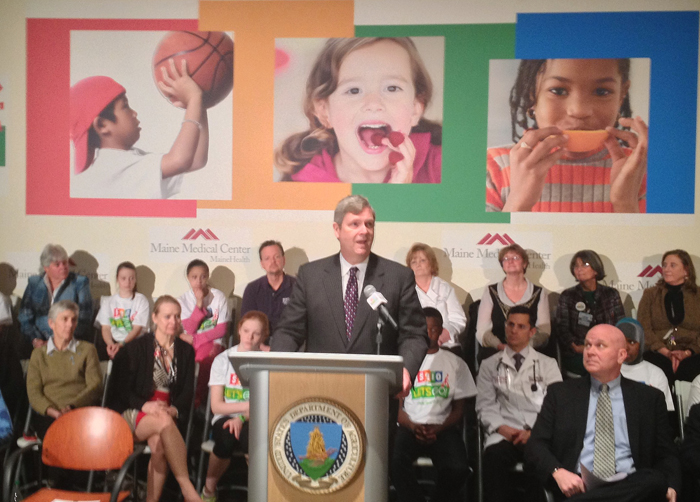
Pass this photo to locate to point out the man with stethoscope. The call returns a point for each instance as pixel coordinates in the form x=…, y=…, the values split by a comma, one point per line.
x=511, y=387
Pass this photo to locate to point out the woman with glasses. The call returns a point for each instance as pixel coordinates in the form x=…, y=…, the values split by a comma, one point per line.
x=583, y=306
x=499, y=298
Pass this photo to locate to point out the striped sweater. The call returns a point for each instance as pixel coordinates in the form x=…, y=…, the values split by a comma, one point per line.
x=572, y=186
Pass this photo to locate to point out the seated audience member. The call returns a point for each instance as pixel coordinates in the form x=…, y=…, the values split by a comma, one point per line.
x=124, y=315
x=63, y=374
x=609, y=425
x=690, y=457
x=583, y=306
x=694, y=396
x=511, y=386
x=6, y=429
x=499, y=298
x=635, y=367
x=55, y=284
x=10, y=367
x=270, y=293
x=205, y=318
x=152, y=382
x=429, y=421
x=670, y=315
x=229, y=401
x=5, y=313
x=437, y=293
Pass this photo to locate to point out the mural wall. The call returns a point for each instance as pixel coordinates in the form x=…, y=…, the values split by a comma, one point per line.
x=429, y=124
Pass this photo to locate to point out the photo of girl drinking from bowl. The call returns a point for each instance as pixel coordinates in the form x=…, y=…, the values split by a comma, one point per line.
x=364, y=102
x=577, y=148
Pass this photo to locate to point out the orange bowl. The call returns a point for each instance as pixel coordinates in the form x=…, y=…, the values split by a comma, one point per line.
x=585, y=141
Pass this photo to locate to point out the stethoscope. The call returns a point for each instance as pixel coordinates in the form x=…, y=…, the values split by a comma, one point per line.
x=535, y=368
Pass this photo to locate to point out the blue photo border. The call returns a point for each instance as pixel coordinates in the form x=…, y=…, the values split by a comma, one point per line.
x=670, y=39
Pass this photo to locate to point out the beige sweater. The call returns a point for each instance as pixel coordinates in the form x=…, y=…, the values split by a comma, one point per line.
x=64, y=378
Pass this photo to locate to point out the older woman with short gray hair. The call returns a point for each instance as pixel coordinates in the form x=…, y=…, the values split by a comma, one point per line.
x=55, y=283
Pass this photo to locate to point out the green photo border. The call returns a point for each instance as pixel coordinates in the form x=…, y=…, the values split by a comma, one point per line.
x=461, y=196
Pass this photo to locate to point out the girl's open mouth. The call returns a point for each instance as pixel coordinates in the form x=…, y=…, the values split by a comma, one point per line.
x=371, y=135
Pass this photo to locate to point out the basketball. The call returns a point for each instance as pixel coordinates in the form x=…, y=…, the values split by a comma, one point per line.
x=209, y=56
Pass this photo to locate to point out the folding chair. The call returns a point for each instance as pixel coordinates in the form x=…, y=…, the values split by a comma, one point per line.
x=99, y=438
x=424, y=465
x=207, y=447
x=681, y=389
x=519, y=468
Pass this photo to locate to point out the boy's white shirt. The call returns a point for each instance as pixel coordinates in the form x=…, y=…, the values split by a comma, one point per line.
x=431, y=409
x=124, y=174
x=647, y=373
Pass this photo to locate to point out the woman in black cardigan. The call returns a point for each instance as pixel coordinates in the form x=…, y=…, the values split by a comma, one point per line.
x=152, y=384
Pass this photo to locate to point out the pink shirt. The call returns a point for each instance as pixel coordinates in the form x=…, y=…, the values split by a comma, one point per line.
x=428, y=162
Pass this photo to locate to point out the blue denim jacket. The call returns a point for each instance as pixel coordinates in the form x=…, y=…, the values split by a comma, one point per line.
x=34, y=310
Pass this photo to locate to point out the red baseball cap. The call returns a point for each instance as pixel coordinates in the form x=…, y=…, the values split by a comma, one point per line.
x=88, y=98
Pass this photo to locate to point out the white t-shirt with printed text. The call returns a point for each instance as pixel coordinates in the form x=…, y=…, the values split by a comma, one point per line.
x=216, y=305
x=222, y=374
x=122, y=314
x=443, y=377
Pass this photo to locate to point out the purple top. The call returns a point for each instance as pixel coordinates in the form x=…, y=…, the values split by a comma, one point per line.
x=428, y=164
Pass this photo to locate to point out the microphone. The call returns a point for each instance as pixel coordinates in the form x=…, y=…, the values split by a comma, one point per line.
x=376, y=300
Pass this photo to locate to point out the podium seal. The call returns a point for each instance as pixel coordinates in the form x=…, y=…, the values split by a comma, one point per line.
x=318, y=446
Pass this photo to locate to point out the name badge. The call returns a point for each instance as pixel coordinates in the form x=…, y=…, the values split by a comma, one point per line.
x=585, y=319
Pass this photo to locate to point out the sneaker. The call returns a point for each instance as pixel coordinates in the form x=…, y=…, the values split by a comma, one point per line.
x=208, y=498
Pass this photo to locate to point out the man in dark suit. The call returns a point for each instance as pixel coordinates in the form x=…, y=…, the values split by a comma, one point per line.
x=565, y=434
x=327, y=312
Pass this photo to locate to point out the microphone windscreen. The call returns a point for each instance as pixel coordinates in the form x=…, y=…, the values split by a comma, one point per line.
x=369, y=290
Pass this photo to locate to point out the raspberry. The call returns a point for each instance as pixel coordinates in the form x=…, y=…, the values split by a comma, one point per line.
x=395, y=138
x=395, y=157
x=377, y=138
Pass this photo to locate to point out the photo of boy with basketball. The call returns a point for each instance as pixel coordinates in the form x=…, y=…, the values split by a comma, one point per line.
x=577, y=147
x=108, y=165
x=105, y=129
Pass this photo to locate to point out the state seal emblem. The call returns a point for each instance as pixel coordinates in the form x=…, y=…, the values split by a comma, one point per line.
x=318, y=446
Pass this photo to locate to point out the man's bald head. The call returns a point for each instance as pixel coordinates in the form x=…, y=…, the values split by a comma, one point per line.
x=604, y=352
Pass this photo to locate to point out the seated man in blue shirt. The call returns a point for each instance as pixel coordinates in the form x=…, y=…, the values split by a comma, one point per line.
x=608, y=425
x=270, y=293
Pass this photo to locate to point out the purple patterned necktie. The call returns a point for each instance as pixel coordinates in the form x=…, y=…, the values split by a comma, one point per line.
x=350, y=302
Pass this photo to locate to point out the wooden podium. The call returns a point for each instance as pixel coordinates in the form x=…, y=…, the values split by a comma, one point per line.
x=310, y=412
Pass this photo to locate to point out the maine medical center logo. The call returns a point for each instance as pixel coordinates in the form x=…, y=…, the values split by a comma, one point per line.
x=317, y=446
x=181, y=244
x=480, y=249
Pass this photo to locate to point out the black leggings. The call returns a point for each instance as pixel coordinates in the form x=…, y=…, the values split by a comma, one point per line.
x=226, y=443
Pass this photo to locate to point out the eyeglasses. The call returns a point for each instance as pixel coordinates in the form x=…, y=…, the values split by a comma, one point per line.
x=582, y=265
x=512, y=258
